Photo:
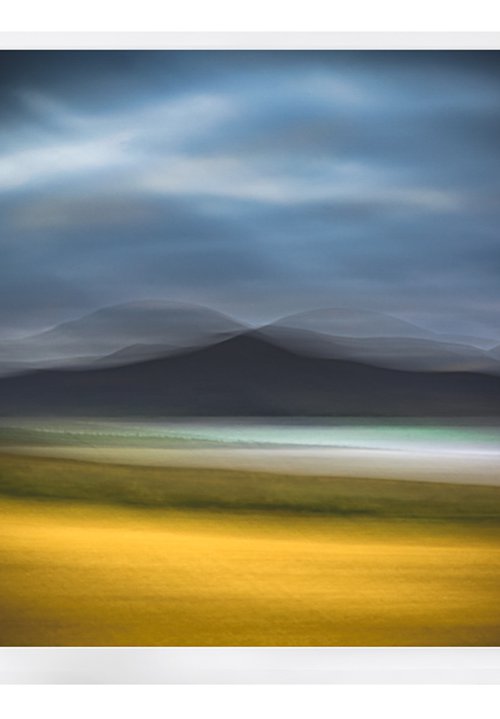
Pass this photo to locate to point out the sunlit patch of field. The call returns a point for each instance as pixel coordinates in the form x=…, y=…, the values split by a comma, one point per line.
x=94, y=554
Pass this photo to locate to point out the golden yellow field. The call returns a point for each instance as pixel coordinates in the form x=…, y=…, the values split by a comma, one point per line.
x=83, y=572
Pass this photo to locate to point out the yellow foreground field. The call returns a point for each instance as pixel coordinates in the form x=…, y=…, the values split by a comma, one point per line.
x=96, y=554
x=88, y=575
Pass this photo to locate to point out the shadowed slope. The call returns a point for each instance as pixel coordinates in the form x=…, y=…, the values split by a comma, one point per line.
x=247, y=375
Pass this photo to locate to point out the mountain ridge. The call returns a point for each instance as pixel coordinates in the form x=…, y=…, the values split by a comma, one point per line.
x=153, y=327
x=247, y=375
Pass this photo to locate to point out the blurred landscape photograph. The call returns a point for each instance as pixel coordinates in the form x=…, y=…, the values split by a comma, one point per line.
x=249, y=348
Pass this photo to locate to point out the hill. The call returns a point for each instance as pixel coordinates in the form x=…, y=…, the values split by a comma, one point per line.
x=94, y=338
x=248, y=375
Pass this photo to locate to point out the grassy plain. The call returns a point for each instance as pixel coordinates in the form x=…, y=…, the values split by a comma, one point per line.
x=98, y=554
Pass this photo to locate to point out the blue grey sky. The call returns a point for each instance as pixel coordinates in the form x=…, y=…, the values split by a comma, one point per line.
x=257, y=183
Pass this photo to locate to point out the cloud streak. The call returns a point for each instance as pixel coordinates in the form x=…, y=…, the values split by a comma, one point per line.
x=259, y=183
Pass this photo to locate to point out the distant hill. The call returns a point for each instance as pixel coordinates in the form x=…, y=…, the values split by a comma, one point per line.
x=248, y=375
x=139, y=331
x=382, y=340
x=407, y=353
x=342, y=322
x=171, y=325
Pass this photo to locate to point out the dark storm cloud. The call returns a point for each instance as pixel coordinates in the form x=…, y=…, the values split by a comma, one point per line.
x=259, y=182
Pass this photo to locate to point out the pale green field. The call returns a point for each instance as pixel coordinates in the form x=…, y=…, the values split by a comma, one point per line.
x=94, y=554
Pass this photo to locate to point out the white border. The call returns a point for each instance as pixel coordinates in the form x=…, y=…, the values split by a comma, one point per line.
x=250, y=665
x=250, y=40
